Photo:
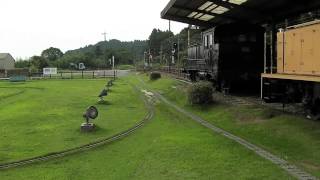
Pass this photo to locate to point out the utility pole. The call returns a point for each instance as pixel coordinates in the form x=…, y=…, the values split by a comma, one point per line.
x=114, y=71
x=170, y=52
x=189, y=35
x=161, y=56
x=105, y=36
x=178, y=46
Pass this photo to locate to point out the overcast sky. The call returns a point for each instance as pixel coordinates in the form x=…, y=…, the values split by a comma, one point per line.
x=29, y=26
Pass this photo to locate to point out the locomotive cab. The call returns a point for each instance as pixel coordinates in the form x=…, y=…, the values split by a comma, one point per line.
x=230, y=55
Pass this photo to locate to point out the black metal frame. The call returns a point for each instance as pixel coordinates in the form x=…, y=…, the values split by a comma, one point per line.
x=252, y=11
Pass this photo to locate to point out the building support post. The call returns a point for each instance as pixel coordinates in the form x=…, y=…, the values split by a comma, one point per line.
x=261, y=90
x=265, y=54
x=273, y=45
x=178, y=56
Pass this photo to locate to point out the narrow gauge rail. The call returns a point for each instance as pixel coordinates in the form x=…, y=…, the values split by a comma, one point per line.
x=285, y=165
x=291, y=169
x=247, y=100
x=85, y=147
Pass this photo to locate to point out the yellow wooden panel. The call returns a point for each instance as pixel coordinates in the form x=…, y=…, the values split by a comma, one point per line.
x=302, y=50
x=307, y=64
x=292, y=77
x=280, y=55
x=292, y=51
x=316, y=50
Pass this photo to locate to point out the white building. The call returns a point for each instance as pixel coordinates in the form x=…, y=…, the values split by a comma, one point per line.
x=6, y=61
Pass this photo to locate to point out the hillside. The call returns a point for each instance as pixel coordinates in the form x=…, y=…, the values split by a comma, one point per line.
x=98, y=55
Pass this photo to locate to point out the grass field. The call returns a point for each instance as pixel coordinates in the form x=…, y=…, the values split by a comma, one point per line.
x=170, y=146
x=293, y=138
x=125, y=67
x=40, y=117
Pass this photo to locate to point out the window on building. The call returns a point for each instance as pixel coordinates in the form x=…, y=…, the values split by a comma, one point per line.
x=206, y=41
x=210, y=40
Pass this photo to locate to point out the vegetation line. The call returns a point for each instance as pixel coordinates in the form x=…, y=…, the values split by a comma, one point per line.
x=85, y=147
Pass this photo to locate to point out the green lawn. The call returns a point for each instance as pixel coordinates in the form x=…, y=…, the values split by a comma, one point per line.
x=293, y=138
x=125, y=67
x=41, y=117
x=170, y=146
x=7, y=92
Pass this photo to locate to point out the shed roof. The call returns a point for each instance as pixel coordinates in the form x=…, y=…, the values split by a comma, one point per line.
x=4, y=56
x=208, y=13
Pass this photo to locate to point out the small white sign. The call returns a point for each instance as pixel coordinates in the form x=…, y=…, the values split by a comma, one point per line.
x=49, y=71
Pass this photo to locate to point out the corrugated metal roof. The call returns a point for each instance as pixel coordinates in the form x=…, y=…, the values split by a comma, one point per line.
x=208, y=13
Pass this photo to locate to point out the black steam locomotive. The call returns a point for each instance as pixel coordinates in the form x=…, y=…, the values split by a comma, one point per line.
x=231, y=56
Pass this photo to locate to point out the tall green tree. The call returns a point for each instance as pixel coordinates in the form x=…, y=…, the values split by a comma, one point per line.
x=22, y=63
x=52, y=54
x=38, y=62
x=155, y=39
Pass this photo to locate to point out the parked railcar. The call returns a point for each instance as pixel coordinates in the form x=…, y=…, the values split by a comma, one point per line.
x=230, y=55
x=295, y=78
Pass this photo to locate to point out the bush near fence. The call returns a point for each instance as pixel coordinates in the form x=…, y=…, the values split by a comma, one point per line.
x=17, y=72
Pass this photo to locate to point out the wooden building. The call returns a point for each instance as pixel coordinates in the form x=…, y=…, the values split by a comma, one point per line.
x=6, y=61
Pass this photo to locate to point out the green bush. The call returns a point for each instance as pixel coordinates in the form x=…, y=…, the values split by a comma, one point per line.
x=200, y=93
x=154, y=76
x=18, y=72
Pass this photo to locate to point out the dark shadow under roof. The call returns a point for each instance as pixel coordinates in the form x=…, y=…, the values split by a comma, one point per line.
x=209, y=13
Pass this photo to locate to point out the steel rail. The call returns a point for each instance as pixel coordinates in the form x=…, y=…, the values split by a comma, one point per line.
x=283, y=164
x=85, y=147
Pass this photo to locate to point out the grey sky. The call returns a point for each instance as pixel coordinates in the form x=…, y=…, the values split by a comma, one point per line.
x=30, y=26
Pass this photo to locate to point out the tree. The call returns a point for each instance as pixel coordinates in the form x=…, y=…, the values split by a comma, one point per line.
x=22, y=64
x=38, y=62
x=98, y=55
x=98, y=52
x=155, y=39
x=52, y=54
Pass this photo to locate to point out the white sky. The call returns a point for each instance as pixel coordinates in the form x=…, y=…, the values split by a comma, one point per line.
x=29, y=26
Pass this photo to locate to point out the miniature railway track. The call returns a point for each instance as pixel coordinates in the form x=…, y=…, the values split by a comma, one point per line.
x=85, y=147
x=291, y=169
x=251, y=100
x=296, y=109
x=285, y=165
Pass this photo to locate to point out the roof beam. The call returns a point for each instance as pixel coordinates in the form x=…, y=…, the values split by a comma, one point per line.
x=229, y=5
x=166, y=9
x=295, y=9
x=188, y=20
x=208, y=12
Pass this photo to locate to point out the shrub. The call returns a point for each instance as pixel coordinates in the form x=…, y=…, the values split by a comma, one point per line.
x=200, y=93
x=154, y=76
x=18, y=72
